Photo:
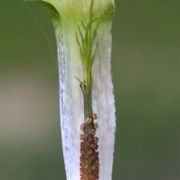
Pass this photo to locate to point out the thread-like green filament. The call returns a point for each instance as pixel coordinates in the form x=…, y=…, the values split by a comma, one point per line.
x=88, y=45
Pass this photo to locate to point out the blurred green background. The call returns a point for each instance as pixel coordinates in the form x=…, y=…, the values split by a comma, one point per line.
x=146, y=75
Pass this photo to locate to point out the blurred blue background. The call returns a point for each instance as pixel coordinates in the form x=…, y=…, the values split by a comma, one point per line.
x=146, y=75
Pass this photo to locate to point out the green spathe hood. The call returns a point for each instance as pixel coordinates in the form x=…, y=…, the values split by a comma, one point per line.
x=72, y=11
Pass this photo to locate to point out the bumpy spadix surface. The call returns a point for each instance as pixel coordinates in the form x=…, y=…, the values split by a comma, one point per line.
x=67, y=14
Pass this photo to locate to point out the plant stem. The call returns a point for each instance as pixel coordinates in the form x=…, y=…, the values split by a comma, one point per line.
x=86, y=88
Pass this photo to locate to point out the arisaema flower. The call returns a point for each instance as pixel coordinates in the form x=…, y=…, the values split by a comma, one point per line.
x=87, y=110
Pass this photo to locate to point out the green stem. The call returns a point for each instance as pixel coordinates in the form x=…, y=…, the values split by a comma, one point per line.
x=86, y=87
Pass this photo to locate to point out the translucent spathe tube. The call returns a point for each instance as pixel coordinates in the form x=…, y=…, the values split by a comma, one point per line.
x=66, y=15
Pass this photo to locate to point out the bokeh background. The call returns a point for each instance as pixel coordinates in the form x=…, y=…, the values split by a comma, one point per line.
x=146, y=75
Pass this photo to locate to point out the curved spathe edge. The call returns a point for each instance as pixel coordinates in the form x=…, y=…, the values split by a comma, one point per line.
x=50, y=6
